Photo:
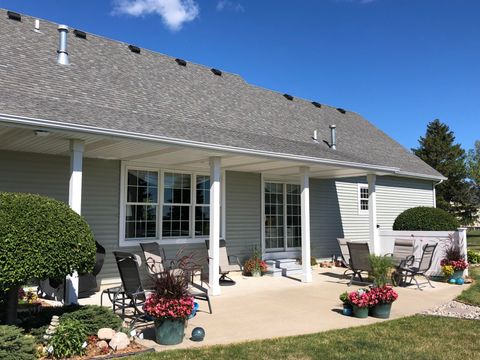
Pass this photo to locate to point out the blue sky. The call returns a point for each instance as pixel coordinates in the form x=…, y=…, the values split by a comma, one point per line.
x=400, y=63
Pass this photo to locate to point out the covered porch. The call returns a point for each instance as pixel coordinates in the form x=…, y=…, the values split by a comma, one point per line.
x=140, y=153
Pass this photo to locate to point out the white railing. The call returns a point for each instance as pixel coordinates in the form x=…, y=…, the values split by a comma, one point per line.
x=421, y=238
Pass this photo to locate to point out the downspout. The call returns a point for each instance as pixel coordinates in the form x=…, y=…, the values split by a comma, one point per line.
x=435, y=193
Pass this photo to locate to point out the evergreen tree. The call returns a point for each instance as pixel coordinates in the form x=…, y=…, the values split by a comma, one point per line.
x=439, y=150
x=473, y=167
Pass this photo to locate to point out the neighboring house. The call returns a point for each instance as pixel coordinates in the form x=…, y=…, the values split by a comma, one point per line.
x=150, y=148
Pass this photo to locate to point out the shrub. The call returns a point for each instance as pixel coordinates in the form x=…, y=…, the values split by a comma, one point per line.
x=40, y=238
x=69, y=339
x=15, y=345
x=425, y=219
x=473, y=257
x=93, y=318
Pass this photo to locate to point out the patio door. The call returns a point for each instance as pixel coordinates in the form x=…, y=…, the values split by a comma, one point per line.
x=282, y=217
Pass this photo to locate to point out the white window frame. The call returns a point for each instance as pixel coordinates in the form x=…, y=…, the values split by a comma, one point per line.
x=359, y=198
x=192, y=239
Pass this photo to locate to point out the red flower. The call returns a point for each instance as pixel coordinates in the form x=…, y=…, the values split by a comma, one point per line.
x=382, y=295
x=458, y=265
x=161, y=307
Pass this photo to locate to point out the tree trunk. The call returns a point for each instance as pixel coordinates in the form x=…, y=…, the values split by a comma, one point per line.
x=11, y=308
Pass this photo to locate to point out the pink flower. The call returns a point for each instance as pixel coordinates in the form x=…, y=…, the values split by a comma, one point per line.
x=161, y=307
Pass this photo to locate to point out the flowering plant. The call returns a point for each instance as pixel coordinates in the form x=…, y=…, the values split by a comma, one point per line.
x=161, y=307
x=171, y=298
x=255, y=263
x=382, y=295
x=359, y=298
x=447, y=270
x=457, y=265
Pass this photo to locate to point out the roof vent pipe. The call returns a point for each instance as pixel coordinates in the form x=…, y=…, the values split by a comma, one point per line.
x=62, y=57
x=37, y=25
x=333, y=140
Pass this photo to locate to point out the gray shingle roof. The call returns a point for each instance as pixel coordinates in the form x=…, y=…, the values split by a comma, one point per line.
x=108, y=86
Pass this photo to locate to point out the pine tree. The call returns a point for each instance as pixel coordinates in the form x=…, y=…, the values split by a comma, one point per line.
x=439, y=150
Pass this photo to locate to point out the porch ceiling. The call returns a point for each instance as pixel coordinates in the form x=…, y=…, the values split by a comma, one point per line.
x=156, y=154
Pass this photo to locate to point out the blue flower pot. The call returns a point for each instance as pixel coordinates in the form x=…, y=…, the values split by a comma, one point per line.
x=169, y=332
x=361, y=313
x=381, y=311
x=457, y=274
x=347, y=310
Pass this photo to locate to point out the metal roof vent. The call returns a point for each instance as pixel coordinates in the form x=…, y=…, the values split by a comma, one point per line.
x=37, y=26
x=288, y=97
x=181, y=62
x=80, y=34
x=216, y=72
x=14, y=16
x=316, y=104
x=134, y=49
x=333, y=137
x=343, y=111
x=62, y=57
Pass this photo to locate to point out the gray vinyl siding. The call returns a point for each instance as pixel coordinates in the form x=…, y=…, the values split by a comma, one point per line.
x=325, y=218
x=394, y=195
x=243, y=213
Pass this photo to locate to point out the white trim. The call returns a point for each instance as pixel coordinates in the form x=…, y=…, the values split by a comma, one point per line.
x=359, y=198
x=123, y=242
x=190, y=143
x=262, y=221
x=372, y=214
x=214, y=239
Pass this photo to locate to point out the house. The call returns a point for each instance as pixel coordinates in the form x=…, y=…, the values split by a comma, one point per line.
x=152, y=148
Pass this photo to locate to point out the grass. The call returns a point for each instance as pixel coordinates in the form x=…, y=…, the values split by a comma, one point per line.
x=416, y=337
x=473, y=240
x=472, y=294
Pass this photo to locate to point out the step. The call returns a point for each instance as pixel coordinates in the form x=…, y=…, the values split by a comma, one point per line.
x=284, y=263
x=274, y=272
x=271, y=263
x=292, y=271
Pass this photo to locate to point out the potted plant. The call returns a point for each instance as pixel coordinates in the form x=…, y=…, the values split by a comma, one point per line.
x=360, y=301
x=381, y=269
x=255, y=266
x=381, y=299
x=170, y=303
x=455, y=259
x=347, y=307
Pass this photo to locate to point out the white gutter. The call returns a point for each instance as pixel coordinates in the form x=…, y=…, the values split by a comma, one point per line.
x=421, y=176
x=190, y=143
x=435, y=193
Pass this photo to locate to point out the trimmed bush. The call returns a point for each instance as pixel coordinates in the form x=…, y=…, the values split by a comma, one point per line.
x=473, y=257
x=15, y=345
x=94, y=318
x=68, y=339
x=425, y=219
x=40, y=238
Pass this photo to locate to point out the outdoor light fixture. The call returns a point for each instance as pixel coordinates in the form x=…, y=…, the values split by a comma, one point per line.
x=42, y=133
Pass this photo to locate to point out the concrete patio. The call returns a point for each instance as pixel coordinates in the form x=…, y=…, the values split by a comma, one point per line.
x=267, y=307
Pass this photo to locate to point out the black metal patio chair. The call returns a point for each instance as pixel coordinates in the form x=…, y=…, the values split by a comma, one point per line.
x=422, y=268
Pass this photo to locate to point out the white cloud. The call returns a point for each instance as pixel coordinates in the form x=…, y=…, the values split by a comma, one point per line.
x=229, y=5
x=174, y=13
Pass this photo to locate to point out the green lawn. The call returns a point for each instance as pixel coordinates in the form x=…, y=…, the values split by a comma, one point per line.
x=472, y=294
x=416, y=337
x=473, y=240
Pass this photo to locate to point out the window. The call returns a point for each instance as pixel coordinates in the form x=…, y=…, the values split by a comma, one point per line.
x=362, y=198
x=283, y=225
x=183, y=210
x=142, y=204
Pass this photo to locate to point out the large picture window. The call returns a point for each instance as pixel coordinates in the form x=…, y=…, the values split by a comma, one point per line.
x=182, y=210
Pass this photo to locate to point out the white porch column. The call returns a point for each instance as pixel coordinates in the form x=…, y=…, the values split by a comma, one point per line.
x=215, y=219
x=372, y=214
x=462, y=242
x=75, y=202
x=305, y=206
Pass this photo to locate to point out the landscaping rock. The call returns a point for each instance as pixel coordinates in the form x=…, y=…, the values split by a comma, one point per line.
x=119, y=341
x=102, y=344
x=106, y=334
x=455, y=309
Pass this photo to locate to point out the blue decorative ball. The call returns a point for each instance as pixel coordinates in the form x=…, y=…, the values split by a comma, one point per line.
x=460, y=281
x=452, y=281
x=198, y=334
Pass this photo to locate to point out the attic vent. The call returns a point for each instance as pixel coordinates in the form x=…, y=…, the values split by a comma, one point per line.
x=80, y=34
x=216, y=72
x=288, y=97
x=343, y=111
x=14, y=16
x=316, y=104
x=181, y=62
x=134, y=49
